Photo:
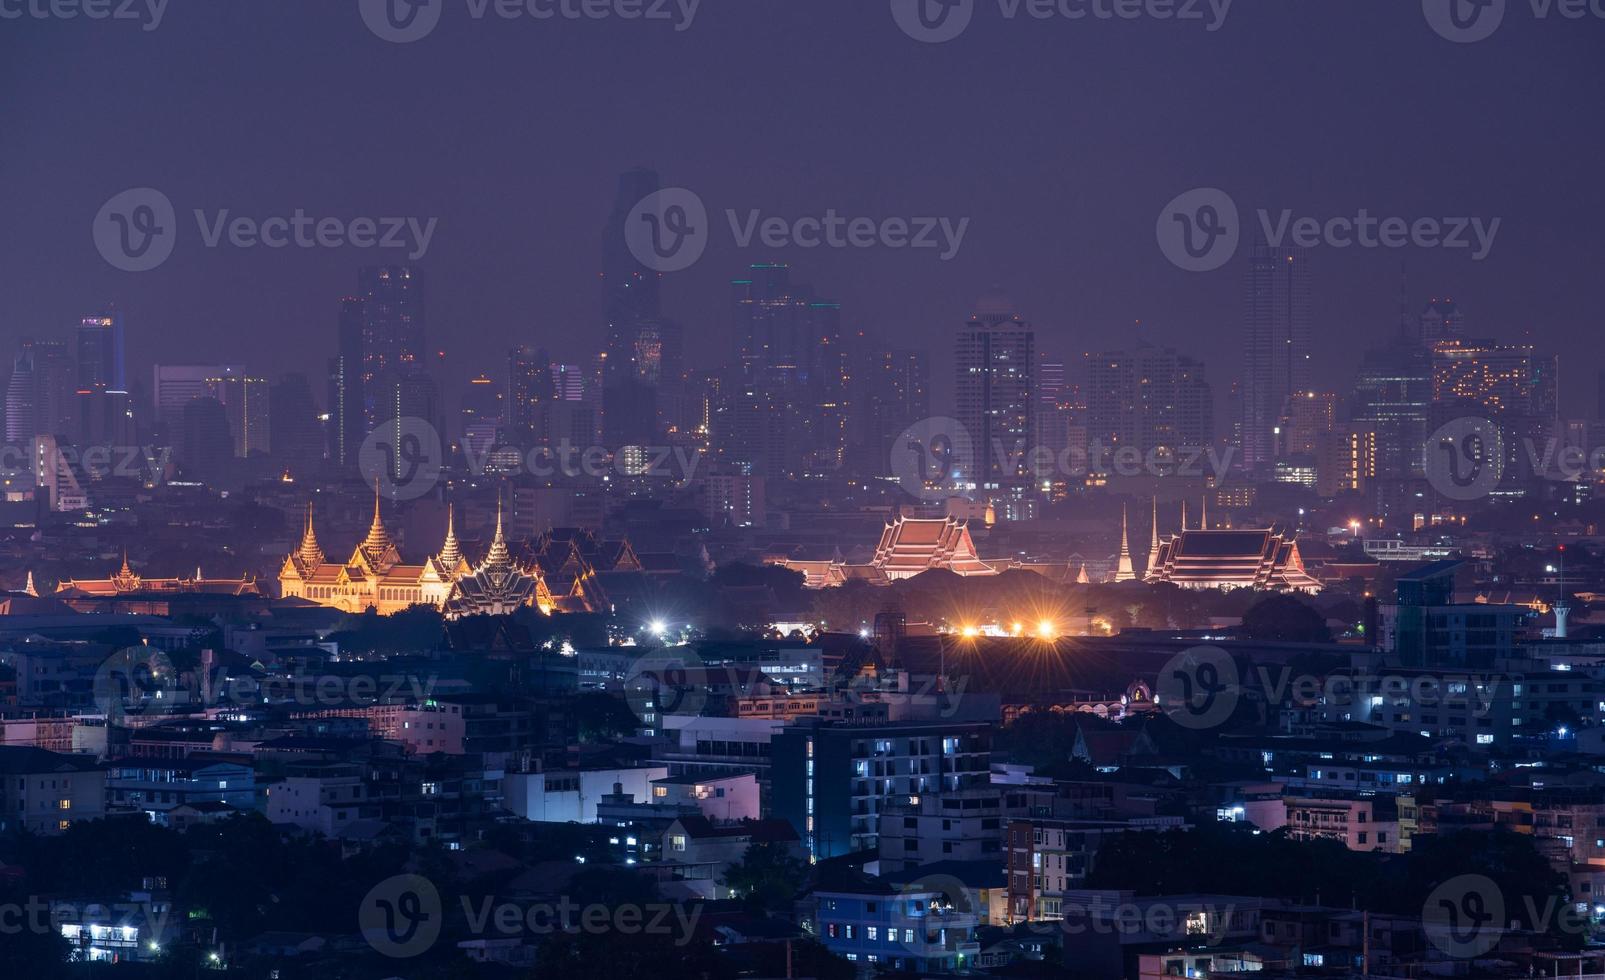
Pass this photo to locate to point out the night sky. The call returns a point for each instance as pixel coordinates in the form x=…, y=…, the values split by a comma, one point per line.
x=1059, y=140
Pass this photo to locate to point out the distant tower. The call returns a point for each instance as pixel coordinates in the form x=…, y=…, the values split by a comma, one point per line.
x=1123, y=572
x=1203, y=520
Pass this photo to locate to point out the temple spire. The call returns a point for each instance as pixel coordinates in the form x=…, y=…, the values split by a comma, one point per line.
x=29, y=589
x=1123, y=572
x=1184, y=515
x=1203, y=523
x=1153, y=539
x=451, y=553
x=499, y=556
x=309, y=552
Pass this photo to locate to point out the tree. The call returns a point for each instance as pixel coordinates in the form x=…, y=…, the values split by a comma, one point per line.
x=767, y=877
x=1282, y=617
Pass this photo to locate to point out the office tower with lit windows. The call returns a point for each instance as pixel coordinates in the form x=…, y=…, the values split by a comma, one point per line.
x=101, y=353
x=1276, y=352
x=890, y=391
x=1309, y=416
x=1513, y=386
x=393, y=334
x=40, y=398
x=528, y=396
x=789, y=343
x=995, y=389
x=1153, y=398
x=245, y=401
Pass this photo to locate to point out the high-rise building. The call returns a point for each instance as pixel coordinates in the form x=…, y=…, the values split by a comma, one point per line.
x=1053, y=417
x=790, y=347
x=642, y=381
x=41, y=396
x=641, y=374
x=1512, y=385
x=1393, y=397
x=101, y=353
x=630, y=289
x=1310, y=415
x=995, y=392
x=20, y=426
x=1152, y=398
x=392, y=332
x=530, y=391
x=293, y=425
x=204, y=444
x=1277, y=345
x=1442, y=320
x=176, y=385
x=347, y=391
x=245, y=401
x=890, y=391
x=481, y=412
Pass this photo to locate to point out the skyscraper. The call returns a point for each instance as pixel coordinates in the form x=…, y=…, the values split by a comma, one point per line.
x=790, y=347
x=995, y=361
x=101, y=353
x=530, y=391
x=1392, y=395
x=245, y=403
x=40, y=397
x=1276, y=345
x=293, y=426
x=392, y=332
x=630, y=289
x=1153, y=398
x=176, y=385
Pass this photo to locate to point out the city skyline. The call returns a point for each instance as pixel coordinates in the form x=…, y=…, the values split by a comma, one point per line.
x=536, y=244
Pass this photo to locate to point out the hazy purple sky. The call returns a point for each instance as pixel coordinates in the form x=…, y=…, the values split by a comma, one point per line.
x=1060, y=141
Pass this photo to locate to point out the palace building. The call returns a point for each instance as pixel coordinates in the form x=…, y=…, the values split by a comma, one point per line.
x=127, y=583
x=908, y=546
x=1238, y=558
x=561, y=573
